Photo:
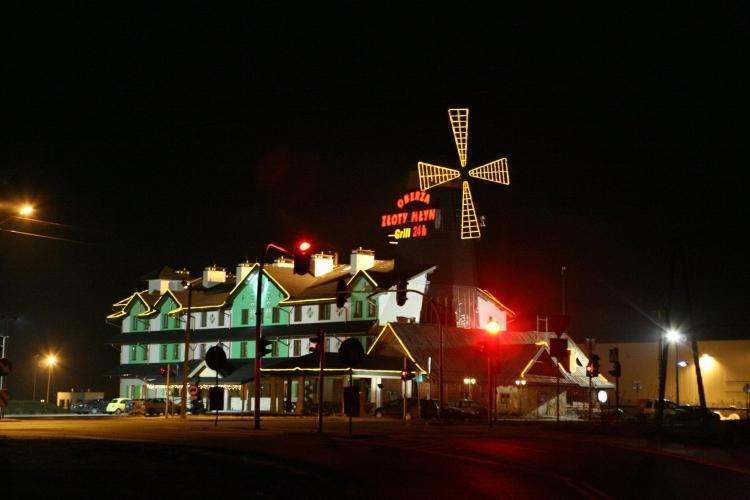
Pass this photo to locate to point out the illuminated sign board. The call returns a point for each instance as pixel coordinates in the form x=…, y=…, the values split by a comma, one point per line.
x=414, y=216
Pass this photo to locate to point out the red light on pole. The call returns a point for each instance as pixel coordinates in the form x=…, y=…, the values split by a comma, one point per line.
x=304, y=246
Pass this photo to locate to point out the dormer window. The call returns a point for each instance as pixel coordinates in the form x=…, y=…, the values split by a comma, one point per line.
x=164, y=322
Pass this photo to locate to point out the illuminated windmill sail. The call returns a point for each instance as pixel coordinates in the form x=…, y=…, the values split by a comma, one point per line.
x=434, y=175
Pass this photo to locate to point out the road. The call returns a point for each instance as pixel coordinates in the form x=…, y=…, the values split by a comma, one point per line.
x=126, y=457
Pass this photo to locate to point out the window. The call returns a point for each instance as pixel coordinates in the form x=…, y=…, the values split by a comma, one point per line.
x=175, y=351
x=371, y=309
x=275, y=315
x=221, y=318
x=297, y=313
x=176, y=322
x=132, y=352
x=296, y=347
x=202, y=351
x=133, y=323
x=243, y=349
x=204, y=318
x=357, y=309
x=164, y=322
x=145, y=352
x=324, y=311
x=245, y=316
x=163, y=352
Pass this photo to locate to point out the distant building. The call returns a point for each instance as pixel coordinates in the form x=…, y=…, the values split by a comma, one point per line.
x=725, y=369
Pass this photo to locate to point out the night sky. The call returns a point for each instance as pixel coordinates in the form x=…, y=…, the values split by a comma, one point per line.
x=193, y=137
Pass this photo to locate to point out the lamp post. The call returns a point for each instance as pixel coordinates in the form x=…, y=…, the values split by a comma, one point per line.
x=520, y=384
x=51, y=361
x=186, y=358
x=674, y=337
x=470, y=381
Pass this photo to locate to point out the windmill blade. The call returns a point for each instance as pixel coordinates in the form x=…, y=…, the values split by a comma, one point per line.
x=496, y=171
x=469, y=221
x=434, y=175
x=460, y=125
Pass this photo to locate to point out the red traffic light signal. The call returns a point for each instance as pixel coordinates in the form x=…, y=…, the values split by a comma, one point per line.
x=409, y=371
x=163, y=371
x=302, y=255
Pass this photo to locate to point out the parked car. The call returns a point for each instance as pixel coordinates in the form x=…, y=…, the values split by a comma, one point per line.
x=675, y=414
x=93, y=406
x=119, y=405
x=415, y=408
x=450, y=412
x=155, y=406
x=473, y=409
x=696, y=415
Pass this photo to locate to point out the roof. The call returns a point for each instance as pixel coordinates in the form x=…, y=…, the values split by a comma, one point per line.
x=244, y=333
x=518, y=355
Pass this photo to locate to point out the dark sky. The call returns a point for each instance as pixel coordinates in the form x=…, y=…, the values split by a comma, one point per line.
x=193, y=137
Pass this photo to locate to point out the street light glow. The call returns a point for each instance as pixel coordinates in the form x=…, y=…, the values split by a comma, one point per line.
x=26, y=210
x=51, y=360
x=673, y=335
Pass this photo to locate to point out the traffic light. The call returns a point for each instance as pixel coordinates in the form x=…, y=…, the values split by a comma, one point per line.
x=316, y=343
x=409, y=372
x=593, y=366
x=615, y=371
x=302, y=255
x=401, y=292
x=163, y=370
x=342, y=293
x=265, y=347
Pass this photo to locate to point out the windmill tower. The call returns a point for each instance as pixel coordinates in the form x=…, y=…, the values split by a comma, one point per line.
x=452, y=246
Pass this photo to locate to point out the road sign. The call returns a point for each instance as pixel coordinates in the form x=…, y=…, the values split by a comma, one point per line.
x=5, y=366
x=3, y=398
x=351, y=352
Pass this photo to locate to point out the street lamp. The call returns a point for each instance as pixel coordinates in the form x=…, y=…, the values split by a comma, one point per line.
x=470, y=381
x=304, y=246
x=520, y=384
x=675, y=337
x=51, y=361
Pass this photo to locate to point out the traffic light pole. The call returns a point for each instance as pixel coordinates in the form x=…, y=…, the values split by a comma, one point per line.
x=186, y=357
x=258, y=322
x=321, y=366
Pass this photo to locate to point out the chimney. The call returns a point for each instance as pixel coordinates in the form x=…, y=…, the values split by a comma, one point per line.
x=361, y=260
x=321, y=264
x=214, y=276
x=243, y=269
